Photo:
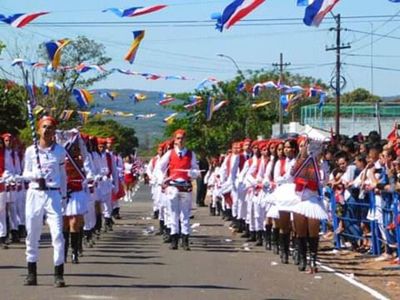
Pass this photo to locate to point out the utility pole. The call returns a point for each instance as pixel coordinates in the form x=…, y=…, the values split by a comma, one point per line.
x=281, y=65
x=338, y=86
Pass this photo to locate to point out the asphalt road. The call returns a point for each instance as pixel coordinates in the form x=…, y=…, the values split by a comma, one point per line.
x=132, y=263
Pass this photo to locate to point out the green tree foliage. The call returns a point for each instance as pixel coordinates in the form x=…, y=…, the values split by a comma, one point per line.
x=80, y=50
x=13, y=111
x=359, y=95
x=125, y=139
x=237, y=119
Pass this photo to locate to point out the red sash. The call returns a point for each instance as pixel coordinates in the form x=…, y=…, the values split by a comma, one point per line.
x=282, y=169
x=109, y=164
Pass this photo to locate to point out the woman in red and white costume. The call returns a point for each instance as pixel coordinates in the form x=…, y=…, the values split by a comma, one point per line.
x=285, y=196
x=250, y=182
x=129, y=179
x=271, y=208
x=310, y=210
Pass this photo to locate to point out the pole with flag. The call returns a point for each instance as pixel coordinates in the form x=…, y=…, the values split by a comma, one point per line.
x=30, y=102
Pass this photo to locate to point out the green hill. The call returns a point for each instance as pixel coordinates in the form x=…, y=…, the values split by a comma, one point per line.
x=147, y=130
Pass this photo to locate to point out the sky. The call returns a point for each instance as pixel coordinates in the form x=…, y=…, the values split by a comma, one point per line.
x=192, y=50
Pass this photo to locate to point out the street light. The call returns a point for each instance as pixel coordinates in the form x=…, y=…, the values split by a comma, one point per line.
x=234, y=62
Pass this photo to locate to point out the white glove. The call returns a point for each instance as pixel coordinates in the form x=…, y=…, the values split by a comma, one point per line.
x=10, y=179
x=193, y=173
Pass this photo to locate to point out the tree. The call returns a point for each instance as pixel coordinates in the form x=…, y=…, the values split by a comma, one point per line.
x=359, y=95
x=13, y=111
x=125, y=139
x=80, y=50
x=237, y=119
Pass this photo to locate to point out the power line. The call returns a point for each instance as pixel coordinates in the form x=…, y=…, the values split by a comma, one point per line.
x=374, y=67
x=374, y=34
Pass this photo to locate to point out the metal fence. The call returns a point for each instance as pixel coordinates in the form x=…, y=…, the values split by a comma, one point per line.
x=353, y=118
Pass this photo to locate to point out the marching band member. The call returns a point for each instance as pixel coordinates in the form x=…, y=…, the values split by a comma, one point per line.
x=175, y=170
x=46, y=194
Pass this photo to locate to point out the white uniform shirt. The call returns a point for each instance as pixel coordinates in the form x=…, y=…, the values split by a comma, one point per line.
x=52, y=161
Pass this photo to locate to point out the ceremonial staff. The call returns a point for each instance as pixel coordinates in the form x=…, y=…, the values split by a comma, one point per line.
x=31, y=118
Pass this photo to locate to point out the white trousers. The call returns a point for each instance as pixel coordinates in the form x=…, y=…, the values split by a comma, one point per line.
x=38, y=203
x=90, y=217
x=3, y=222
x=180, y=205
x=107, y=204
x=21, y=207
x=12, y=215
x=259, y=215
x=235, y=203
x=242, y=204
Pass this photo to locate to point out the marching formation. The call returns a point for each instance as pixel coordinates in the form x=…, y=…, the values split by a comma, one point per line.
x=269, y=189
x=68, y=180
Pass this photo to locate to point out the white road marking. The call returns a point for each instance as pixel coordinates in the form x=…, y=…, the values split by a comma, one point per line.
x=356, y=283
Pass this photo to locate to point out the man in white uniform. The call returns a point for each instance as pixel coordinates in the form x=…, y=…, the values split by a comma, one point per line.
x=46, y=194
x=175, y=170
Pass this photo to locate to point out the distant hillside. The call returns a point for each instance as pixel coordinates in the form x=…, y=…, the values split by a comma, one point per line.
x=147, y=130
x=391, y=99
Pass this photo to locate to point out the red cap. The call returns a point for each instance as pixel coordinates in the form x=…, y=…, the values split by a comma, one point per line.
x=247, y=140
x=85, y=136
x=6, y=135
x=110, y=140
x=180, y=131
x=48, y=118
x=101, y=141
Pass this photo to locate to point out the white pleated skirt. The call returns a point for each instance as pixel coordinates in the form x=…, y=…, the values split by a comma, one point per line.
x=77, y=204
x=311, y=207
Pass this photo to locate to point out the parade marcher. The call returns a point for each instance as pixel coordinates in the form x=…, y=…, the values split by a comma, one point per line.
x=107, y=181
x=90, y=218
x=79, y=171
x=175, y=170
x=13, y=168
x=285, y=196
x=119, y=192
x=46, y=194
x=310, y=210
x=152, y=180
x=3, y=178
x=129, y=179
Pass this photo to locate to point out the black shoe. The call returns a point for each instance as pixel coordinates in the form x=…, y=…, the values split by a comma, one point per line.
x=59, y=276
x=267, y=236
x=284, y=247
x=74, y=246
x=185, y=242
x=302, y=245
x=3, y=243
x=313, y=244
x=156, y=214
x=275, y=240
x=14, y=236
x=74, y=258
x=167, y=235
x=31, y=278
x=246, y=233
x=22, y=231
x=259, y=238
x=108, y=225
x=161, y=227
x=174, y=242
x=252, y=237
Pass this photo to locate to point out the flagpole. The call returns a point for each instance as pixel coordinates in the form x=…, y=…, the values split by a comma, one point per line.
x=31, y=118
